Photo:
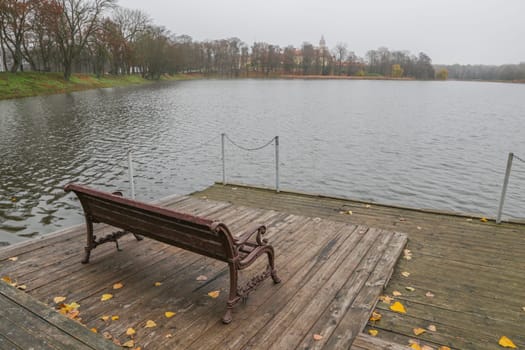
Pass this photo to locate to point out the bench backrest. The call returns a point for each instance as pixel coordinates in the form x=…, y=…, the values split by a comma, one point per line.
x=200, y=235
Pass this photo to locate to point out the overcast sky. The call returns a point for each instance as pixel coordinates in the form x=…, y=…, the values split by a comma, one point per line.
x=449, y=31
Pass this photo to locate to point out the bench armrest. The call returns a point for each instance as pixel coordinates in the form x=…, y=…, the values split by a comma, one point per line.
x=246, y=235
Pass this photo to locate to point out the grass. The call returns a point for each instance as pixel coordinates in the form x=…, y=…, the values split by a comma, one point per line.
x=24, y=84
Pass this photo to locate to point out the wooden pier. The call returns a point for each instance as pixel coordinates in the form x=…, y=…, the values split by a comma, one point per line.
x=332, y=275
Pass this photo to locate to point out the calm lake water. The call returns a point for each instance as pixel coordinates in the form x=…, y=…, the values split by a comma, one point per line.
x=440, y=145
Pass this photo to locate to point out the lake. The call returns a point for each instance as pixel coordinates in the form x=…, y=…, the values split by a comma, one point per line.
x=439, y=145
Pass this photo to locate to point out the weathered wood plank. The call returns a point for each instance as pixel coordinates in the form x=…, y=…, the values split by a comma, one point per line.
x=366, y=342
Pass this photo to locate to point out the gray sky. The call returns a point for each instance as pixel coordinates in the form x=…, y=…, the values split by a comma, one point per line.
x=449, y=31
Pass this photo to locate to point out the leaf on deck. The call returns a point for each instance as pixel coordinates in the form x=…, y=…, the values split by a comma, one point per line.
x=432, y=328
x=430, y=295
x=202, y=278
x=169, y=314
x=506, y=343
x=129, y=344
x=115, y=318
x=405, y=273
x=418, y=331
x=130, y=331
x=106, y=297
x=118, y=285
x=410, y=289
x=157, y=284
x=396, y=293
x=58, y=300
x=214, y=294
x=376, y=316
x=13, y=258
x=398, y=307
x=317, y=337
x=150, y=324
x=373, y=332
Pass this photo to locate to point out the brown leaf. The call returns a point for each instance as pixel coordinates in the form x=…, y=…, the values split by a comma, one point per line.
x=105, y=318
x=107, y=335
x=386, y=299
x=444, y=348
x=169, y=335
x=432, y=328
x=94, y=330
x=22, y=287
x=426, y=347
x=157, y=284
x=13, y=258
x=376, y=316
x=118, y=285
x=396, y=293
x=318, y=337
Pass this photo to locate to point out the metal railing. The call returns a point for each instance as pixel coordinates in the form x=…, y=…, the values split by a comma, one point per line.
x=224, y=137
x=511, y=157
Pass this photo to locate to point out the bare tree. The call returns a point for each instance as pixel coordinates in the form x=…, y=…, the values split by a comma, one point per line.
x=72, y=30
x=13, y=25
x=340, y=52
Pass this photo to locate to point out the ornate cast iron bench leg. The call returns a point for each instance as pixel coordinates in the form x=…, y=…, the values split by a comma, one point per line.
x=233, y=296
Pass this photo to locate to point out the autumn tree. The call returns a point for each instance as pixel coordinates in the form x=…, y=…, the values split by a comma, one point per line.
x=442, y=74
x=14, y=24
x=397, y=71
x=74, y=26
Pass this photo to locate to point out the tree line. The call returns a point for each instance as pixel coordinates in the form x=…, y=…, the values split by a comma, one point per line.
x=98, y=36
x=506, y=72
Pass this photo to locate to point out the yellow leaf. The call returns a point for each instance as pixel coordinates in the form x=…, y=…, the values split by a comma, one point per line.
x=405, y=274
x=14, y=258
x=202, y=278
x=410, y=289
x=106, y=297
x=432, y=328
x=349, y=212
x=373, y=332
x=58, y=300
x=506, y=343
x=415, y=346
x=214, y=294
x=169, y=314
x=418, y=331
x=426, y=347
x=94, y=330
x=398, y=307
x=318, y=337
x=118, y=285
x=483, y=219
x=115, y=318
x=444, y=348
x=139, y=348
x=22, y=287
x=129, y=344
x=157, y=284
x=13, y=199
x=396, y=293
x=150, y=324
x=376, y=316
x=8, y=280
x=130, y=331
x=105, y=318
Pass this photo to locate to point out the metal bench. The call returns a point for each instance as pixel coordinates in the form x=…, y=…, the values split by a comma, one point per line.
x=199, y=235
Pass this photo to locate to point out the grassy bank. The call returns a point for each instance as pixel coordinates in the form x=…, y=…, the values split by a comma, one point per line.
x=15, y=85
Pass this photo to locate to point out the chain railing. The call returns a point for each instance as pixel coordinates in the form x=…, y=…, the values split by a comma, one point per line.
x=274, y=140
x=223, y=137
x=511, y=157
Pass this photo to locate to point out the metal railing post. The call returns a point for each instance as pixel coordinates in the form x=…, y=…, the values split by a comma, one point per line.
x=277, y=163
x=130, y=170
x=504, y=190
x=223, y=135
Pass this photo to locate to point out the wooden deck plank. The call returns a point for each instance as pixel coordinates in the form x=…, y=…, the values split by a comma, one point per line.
x=448, y=251
x=366, y=342
x=315, y=259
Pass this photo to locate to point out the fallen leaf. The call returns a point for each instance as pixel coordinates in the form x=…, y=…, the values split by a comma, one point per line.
x=130, y=331
x=483, y=219
x=523, y=308
x=432, y=328
x=105, y=318
x=139, y=348
x=407, y=251
x=14, y=258
x=386, y=299
x=419, y=227
x=318, y=337
x=106, y=297
x=118, y=285
x=22, y=287
x=94, y=330
x=368, y=206
x=373, y=332
x=169, y=335
x=202, y=278
x=107, y=335
x=13, y=199
x=506, y=343
x=129, y=344
x=410, y=289
x=405, y=274
x=376, y=316
x=426, y=347
x=398, y=307
x=418, y=331
x=169, y=314
x=150, y=324
x=8, y=280
x=116, y=342
x=158, y=284
x=429, y=295
x=396, y=293
x=115, y=318
x=407, y=257
x=444, y=348
x=58, y=300
x=214, y=294
x=469, y=220
x=415, y=346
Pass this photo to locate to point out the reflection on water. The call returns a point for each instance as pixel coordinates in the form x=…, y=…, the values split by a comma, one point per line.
x=437, y=145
